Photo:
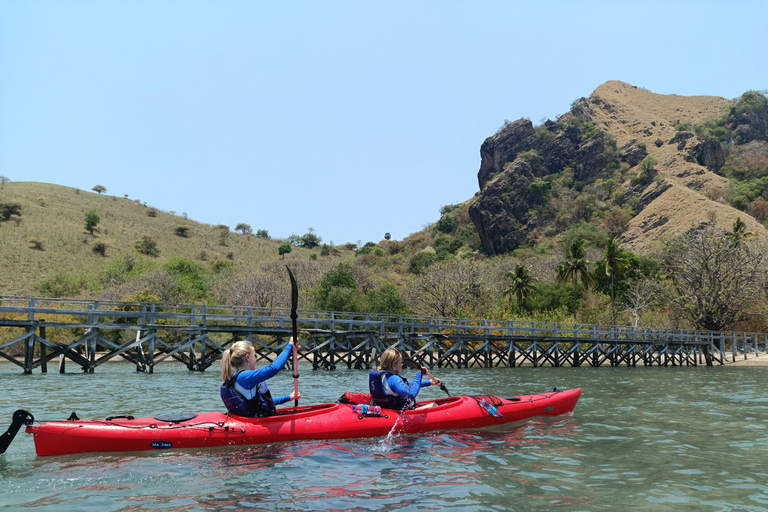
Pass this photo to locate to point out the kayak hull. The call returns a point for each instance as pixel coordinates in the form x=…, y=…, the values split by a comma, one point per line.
x=323, y=421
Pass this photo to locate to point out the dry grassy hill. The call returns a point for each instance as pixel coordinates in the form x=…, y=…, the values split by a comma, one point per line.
x=627, y=112
x=54, y=216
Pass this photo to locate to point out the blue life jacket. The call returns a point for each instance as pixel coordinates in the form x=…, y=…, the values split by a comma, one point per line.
x=384, y=397
x=257, y=407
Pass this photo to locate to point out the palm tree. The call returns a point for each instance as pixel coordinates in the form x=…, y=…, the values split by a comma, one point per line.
x=522, y=283
x=739, y=232
x=575, y=267
x=615, y=262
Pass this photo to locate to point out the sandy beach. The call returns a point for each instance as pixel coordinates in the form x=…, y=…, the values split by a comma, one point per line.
x=752, y=360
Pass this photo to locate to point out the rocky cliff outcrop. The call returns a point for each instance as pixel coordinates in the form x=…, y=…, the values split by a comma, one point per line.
x=618, y=125
x=518, y=155
x=510, y=161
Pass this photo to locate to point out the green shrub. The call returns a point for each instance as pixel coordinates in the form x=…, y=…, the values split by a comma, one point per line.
x=447, y=223
x=126, y=267
x=549, y=297
x=740, y=202
x=531, y=156
x=643, y=179
x=179, y=266
x=444, y=210
x=587, y=232
x=8, y=209
x=542, y=133
x=147, y=246
x=422, y=260
x=648, y=164
x=337, y=291
x=223, y=236
x=540, y=190
x=751, y=101
x=61, y=285
x=370, y=248
x=444, y=244
x=386, y=300
x=220, y=266
x=310, y=239
x=92, y=220
x=589, y=131
x=189, y=277
x=343, y=299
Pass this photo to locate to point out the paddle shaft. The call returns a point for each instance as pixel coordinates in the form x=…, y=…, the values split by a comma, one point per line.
x=410, y=362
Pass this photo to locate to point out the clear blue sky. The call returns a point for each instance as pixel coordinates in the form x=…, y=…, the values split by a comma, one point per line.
x=355, y=118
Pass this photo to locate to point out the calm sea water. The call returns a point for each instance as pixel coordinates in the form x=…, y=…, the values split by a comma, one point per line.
x=658, y=439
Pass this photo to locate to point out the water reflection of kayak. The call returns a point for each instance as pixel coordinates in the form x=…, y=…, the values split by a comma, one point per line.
x=323, y=421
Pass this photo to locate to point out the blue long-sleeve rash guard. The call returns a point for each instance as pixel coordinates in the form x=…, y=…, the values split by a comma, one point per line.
x=251, y=379
x=397, y=384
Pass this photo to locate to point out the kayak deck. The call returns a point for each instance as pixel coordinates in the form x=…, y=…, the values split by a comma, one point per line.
x=322, y=421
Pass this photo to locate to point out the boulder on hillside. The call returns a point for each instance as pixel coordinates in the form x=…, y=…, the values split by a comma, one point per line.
x=680, y=136
x=709, y=154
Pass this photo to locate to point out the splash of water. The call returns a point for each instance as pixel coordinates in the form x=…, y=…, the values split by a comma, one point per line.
x=387, y=445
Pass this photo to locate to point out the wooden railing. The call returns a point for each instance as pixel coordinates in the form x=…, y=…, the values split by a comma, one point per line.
x=34, y=331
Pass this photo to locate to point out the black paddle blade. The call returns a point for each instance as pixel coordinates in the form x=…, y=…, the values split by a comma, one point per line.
x=20, y=417
x=442, y=386
x=294, y=294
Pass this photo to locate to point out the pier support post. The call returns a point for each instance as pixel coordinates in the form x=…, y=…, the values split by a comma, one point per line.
x=43, y=349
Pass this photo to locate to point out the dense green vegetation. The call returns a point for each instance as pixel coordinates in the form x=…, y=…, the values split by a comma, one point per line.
x=433, y=272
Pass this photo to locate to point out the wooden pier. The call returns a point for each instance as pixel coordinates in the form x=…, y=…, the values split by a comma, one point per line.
x=36, y=331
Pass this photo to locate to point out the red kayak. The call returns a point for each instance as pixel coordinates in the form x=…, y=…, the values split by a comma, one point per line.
x=323, y=421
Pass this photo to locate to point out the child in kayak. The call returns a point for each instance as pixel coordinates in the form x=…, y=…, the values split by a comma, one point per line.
x=391, y=391
x=246, y=393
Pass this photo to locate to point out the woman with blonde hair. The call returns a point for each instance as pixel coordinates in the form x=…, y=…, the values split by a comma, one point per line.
x=245, y=393
x=391, y=391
